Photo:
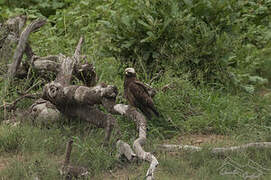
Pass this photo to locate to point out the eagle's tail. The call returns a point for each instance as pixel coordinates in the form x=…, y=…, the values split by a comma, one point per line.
x=156, y=112
x=146, y=112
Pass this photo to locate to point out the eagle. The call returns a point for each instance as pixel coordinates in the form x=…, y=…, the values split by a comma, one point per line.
x=137, y=94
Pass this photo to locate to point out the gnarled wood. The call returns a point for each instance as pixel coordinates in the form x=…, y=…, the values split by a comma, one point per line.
x=140, y=121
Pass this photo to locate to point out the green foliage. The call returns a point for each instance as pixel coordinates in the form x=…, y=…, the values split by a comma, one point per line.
x=87, y=152
x=32, y=167
x=45, y=8
x=204, y=38
x=207, y=110
x=10, y=139
x=153, y=34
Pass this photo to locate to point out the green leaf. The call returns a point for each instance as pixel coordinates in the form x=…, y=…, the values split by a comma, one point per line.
x=189, y=3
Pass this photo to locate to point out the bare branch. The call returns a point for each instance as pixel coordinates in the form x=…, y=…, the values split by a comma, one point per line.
x=17, y=57
x=223, y=150
x=68, y=152
x=78, y=50
x=140, y=121
x=67, y=66
x=25, y=95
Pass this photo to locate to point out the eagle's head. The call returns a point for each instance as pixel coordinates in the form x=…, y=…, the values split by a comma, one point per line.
x=130, y=72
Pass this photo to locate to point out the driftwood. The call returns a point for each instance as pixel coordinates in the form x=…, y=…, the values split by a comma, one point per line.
x=220, y=150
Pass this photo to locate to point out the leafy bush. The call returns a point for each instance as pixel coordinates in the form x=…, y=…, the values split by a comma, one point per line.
x=45, y=7
x=151, y=35
x=205, y=38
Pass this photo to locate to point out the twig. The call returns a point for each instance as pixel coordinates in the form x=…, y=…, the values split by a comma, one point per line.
x=25, y=95
x=157, y=76
x=68, y=152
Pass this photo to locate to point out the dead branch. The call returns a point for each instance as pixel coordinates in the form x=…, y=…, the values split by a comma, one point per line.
x=9, y=36
x=158, y=75
x=16, y=24
x=125, y=149
x=71, y=171
x=12, y=105
x=223, y=150
x=29, y=52
x=68, y=152
x=17, y=57
x=77, y=51
x=67, y=66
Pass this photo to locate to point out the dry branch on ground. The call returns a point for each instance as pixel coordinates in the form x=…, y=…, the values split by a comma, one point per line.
x=219, y=150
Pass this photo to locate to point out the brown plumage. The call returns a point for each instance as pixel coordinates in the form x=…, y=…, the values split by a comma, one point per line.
x=137, y=94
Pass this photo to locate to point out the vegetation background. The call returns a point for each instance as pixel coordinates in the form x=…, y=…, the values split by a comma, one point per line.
x=213, y=55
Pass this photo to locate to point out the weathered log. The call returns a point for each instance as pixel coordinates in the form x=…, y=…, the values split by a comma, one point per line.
x=220, y=150
x=81, y=102
x=64, y=76
x=52, y=64
x=18, y=54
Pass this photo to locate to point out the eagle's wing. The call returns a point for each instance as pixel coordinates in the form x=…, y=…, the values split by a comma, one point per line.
x=141, y=95
x=140, y=98
x=143, y=86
